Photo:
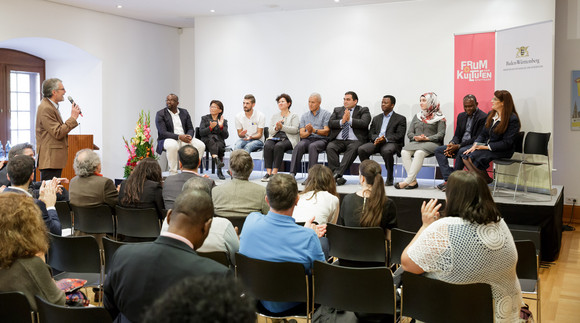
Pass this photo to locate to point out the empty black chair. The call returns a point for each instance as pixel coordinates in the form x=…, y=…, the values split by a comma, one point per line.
x=109, y=248
x=357, y=247
x=138, y=223
x=98, y=219
x=528, y=232
x=218, y=256
x=527, y=270
x=14, y=307
x=64, y=214
x=50, y=313
x=274, y=281
x=368, y=290
x=400, y=239
x=436, y=301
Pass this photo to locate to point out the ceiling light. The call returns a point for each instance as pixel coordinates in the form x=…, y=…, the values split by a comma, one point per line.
x=337, y=1
x=119, y=6
x=212, y=11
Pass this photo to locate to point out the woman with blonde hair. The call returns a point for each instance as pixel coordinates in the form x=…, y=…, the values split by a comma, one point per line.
x=370, y=206
x=319, y=200
x=24, y=241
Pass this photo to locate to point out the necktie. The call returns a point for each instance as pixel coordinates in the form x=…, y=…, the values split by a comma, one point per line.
x=344, y=132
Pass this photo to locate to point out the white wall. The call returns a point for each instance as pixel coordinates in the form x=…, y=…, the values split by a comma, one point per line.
x=138, y=62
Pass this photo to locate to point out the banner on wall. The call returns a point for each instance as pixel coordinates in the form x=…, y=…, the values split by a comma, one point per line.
x=575, y=113
x=474, y=69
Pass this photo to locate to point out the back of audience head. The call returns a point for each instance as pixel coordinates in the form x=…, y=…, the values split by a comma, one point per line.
x=196, y=183
x=468, y=197
x=20, y=169
x=282, y=192
x=146, y=169
x=189, y=157
x=320, y=178
x=203, y=299
x=22, y=231
x=191, y=216
x=86, y=163
x=241, y=164
x=373, y=208
x=21, y=149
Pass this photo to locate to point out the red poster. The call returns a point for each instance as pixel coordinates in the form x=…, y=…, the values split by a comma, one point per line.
x=474, y=69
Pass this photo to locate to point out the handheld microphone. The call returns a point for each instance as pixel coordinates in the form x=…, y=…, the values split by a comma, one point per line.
x=73, y=102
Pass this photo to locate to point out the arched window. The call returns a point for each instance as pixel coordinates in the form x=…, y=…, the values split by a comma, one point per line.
x=21, y=76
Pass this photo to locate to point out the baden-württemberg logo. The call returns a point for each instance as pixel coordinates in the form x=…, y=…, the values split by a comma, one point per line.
x=522, y=51
x=523, y=60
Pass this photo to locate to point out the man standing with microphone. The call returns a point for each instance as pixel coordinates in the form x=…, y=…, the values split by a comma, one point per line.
x=51, y=131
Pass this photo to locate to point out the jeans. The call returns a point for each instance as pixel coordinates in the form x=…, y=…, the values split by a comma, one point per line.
x=249, y=145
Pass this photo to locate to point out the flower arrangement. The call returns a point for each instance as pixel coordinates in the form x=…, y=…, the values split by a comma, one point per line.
x=140, y=146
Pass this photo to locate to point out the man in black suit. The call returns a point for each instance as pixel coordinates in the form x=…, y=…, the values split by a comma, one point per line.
x=469, y=125
x=387, y=134
x=141, y=272
x=174, y=129
x=188, y=163
x=20, y=174
x=348, y=131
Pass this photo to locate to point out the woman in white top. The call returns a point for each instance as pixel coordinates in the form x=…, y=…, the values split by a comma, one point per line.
x=319, y=199
x=471, y=244
x=284, y=135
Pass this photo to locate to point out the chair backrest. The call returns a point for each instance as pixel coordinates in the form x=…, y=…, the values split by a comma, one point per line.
x=237, y=221
x=98, y=219
x=110, y=247
x=74, y=254
x=272, y=281
x=537, y=143
x=368, y=290
x=518, y=141
x=218, y=256
x=50, y=313
x=64, y=214
x=527, y=267
x=435, y=301
x=266, y=132
x=527, y=232
x=14, y=307
x=141, y=223
x=400, y=239
x=357, y=244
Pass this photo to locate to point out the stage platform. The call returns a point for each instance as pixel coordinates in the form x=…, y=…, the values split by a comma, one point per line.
x=530, y=209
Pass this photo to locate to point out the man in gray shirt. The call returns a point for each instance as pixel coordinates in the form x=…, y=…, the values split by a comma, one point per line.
x=314, y=133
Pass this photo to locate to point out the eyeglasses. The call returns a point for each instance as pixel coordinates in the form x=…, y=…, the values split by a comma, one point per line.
x=495, y=99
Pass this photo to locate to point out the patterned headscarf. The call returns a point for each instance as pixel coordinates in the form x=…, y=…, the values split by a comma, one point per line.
x=432, y=114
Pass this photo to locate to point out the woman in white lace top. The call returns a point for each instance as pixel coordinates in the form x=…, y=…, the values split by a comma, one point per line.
x=471, y=244
x=319, y=199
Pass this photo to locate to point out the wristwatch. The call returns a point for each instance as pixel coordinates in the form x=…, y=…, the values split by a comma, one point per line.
x=316, y=131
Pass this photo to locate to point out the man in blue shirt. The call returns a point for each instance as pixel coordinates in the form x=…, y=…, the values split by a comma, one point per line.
x=276, y=237
x=387, y=135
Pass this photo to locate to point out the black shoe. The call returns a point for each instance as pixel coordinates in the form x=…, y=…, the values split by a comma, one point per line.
x=389, y=182
x=266, y=178
x=397, y=186
x=410, y=187
x=219, y=174
x=340, y=181
x=306, y=180
x=442, y=186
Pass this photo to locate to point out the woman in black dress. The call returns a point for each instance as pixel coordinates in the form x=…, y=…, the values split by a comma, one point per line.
x=213, y=131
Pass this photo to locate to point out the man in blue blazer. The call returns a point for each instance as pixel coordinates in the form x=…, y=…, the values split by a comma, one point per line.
x=174, y=129
x=469, y=125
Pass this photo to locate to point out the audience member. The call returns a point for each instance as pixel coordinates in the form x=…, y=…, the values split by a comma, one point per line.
x=370, y=206
x=240, y=197
x=426, y=133
x=497, y=139
x=250, y=126
x=283, y=136
x=348, y=131
x=213, y=131
x=189, y=161
x=319, y=200
x=387, y=134
x=175, y=130
x=471, y=244
x=20, y=174
x=141, y=272
x=203, y=299
x=276, y=237
x=143, y=188
x=89, y=188
x=469, y=125
x=222, y=234
x=24, y=243
x=314, y=133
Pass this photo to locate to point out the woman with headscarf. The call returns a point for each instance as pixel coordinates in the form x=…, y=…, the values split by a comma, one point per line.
x=425, y=133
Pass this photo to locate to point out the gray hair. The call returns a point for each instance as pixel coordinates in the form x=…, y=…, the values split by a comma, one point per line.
x=19, y=150
x=241, y=164
x=48, y=86
x=316, y=95
x=86, y=162
x=196, y=183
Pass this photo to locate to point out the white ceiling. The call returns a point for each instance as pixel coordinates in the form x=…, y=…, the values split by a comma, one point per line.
x=181, y=13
